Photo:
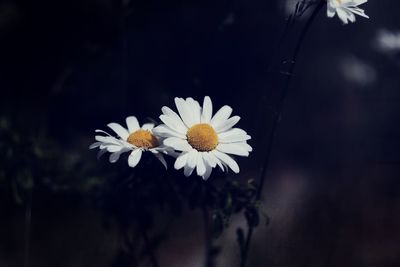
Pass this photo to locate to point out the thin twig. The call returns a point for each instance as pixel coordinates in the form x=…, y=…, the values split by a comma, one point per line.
x=276, y=123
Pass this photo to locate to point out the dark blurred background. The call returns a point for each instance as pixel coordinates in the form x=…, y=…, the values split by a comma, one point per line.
x=332, y=193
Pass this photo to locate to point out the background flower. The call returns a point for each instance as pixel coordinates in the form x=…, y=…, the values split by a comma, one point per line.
x=346, y=9
x=135, y=139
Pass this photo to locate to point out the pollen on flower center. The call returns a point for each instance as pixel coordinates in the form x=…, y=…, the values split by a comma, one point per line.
x=143, y=138
x=202, y=137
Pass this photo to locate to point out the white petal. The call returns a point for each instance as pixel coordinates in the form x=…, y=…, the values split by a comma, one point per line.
x=342, y=15
x=360, y=2
x=113, y=148
x=227, y=160
x=227, y=124
x=234, y=149
x=107, y=139
x=351, y=16
x=184, y=111
x=192, y=158
x=216, y=160
x=95, y=144
x=177, y=144
x=114, y=157
x=164, y=131
x=132, y=123
x=181, y=161
x=207, y=110
x=170, y=113
x=222, y=115
x=209, y=160
x=201, y=167
x=196, y=110
x=331, y=11
x=148, y=126
x=360, y=12
x=245, y=146
x=134, y=157
x=233, y=135
x=101, y=131
x=174, y=124
x=187, y=171
x=208, y=172
x=118, y=129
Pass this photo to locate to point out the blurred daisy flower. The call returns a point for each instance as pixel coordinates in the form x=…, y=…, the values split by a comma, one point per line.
x=203, y=141
x=134, y=139
x=388, y=41
x=346, y=9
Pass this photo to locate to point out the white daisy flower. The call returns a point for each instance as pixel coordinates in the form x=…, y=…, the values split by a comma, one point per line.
x=135, y=140
x=204, y=141
x=346, y=9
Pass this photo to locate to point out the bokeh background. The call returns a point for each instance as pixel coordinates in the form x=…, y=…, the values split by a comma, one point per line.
x=332, y=192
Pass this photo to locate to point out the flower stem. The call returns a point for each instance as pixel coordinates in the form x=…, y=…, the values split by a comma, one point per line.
x=293, y=62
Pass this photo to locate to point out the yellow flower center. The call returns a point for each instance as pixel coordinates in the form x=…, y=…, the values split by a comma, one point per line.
x=202, y=137
x=339, y=2
x=143, y=138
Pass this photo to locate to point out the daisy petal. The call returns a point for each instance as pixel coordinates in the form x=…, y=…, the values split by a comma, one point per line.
x=233, y=135
x=107, y=139
x=201, y=167
x=221, y=115
x=170, y=113
x=216, y=160
x=181, y=161
x=227, y=160
x=132, y=123
x=234, y=149
x=118, y=129
x=207, y=110
x=94, y=145
x=331, y=11
x=148, y=126
x=174, y=124
x=227, y=124
x=188, y=170
x=104, y=132
x=196, y=110
x=114, y=157
x=113, y=148
x=208, y=172
x=192, y=158
x=165, y=131
x=209, y=160
x=184, y=111
x=134, y=157
x=177, y=144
